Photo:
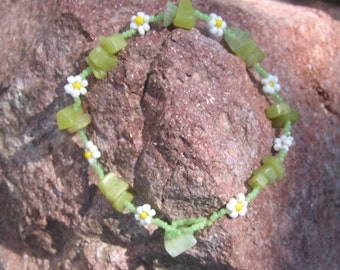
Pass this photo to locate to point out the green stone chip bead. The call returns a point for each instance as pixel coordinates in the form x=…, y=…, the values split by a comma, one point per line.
x=276, y=164
x=236, y=38
x=115, y=191
x=113, y=44
x=180, y=244
x=97, y=72
x=267, y=171
x=169, y=13
x=258, y=180
x=101, y=59
x=120, y=186
x=119, y=204
x=241, y=43
x=185, y=15
x=255, y=57
x=279, y=122
x=277, y=110
x=82, y=122
x=67, y=117
x=112, y=183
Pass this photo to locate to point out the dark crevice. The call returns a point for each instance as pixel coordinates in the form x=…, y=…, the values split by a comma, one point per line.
x=70, y=21
x=325, y=98
x=3, y=89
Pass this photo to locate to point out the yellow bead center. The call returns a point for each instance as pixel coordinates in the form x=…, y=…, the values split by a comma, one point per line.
x=239, y=207
x=139, y=20
x=218, y=23
x=143, y=215
x=77, y=85
x=272, y=84
x=88, y=154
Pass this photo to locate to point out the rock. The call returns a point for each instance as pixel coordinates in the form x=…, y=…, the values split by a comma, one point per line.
x=182, y=120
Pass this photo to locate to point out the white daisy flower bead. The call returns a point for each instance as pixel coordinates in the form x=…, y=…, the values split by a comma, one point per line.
x=140, y=22
x=216, y=25
x=271, y=84
x=284, y=142
x=237, y=206
x=144, y=214
x=91, y=152
x=76, y=86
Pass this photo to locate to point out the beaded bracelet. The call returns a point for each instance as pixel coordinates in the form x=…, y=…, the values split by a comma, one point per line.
x=179, y=234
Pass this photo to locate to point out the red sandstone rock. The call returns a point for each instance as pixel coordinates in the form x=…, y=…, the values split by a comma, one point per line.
x=183, y=121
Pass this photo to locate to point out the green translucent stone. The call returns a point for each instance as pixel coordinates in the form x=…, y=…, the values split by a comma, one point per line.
x=119, y=204
x=256, y=56
x=114, y=189
x=236, y=38
x=180, y=244
x=185, y=15
x=241, y=43
x=107, y=183
x=267, y=171
x=112, y=186
x=277, y=110
x=258, y=180
x=101, y=59
x=97, y=72
x=169, y=13
x=293, y=116
x=113, y=44
x=276, y=164
x=246, y=49
x=120, y=186
x=83, y=121
x=67, y=117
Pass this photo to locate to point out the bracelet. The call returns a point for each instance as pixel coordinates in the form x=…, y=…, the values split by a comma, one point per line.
x=179, y=234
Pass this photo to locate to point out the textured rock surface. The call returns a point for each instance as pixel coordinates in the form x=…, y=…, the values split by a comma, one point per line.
x=183, y=120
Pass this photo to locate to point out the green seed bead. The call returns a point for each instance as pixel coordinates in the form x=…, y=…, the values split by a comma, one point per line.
x=119, y=204
x=185, y=15
x=267, y=171
x=83, y=136
x=85, y=73
x=241, y=43
x=276, y=164
x=156, y=18
x=130, y=206
x=82, y=122
x=97, y=72
x=169, y=13
x=278, y=110
x=98, y=169
x=253, y=194
x=293, y=116
x=277, y=97
x=67, y=117
x=113, y=44
x=101, y=59
x=258, y=180
x=202, y=16
x=261, y=70
x=129, y=33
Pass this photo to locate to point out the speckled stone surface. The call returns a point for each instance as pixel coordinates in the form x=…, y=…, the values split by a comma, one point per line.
x=183, y=121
